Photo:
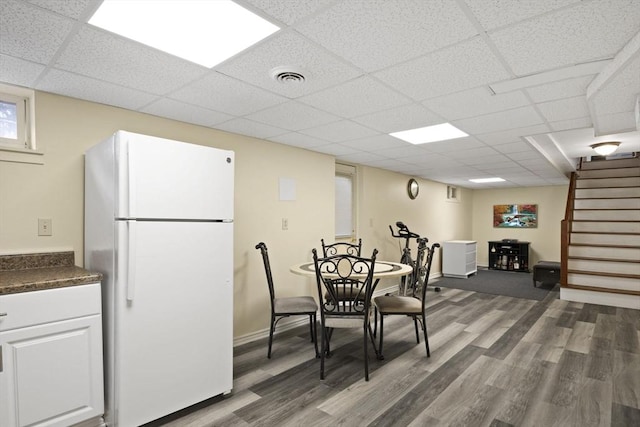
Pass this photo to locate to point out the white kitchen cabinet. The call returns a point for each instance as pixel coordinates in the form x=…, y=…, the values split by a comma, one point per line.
x=51, y=357
x=459, y=258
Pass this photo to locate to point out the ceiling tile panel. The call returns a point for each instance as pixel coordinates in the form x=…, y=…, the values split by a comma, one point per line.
x=495, y=122
x=616, y=123
x=374, y=34
x=18, y=72
x=250, y=128
x=512, y=147
x=400, y=118
x=70, y=8
x=512, y=135
x=299, y=140
x=565, y=109
x=342, y=130
x=453, y=145
x=31, y=33
x=375, y=143
x=579, y=123
x=497, y=13
x=404, y=151
x=586, y=32
x=464, y=66
x=474, y=152
x=67, y=84
x=293, y=115
x=357, y=97
x=335, y=149
x=475, y=102
x=289, y=11
x=185, y=113
x=221, y=93
x=289, y=49
x=360, y=157
x=621, y=92
x=97, y=54
x=561, y=89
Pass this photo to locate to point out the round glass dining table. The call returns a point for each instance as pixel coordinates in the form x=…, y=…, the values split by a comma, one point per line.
x=381, y=269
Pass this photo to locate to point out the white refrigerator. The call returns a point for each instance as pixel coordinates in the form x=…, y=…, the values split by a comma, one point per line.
x=159, y=227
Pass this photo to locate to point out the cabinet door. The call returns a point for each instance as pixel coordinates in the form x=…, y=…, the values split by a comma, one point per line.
x=51, y=374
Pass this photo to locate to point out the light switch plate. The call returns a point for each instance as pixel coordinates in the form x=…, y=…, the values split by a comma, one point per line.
x=44, y=226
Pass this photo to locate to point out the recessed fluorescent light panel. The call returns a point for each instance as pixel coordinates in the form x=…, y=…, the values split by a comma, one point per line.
x=485, y=180
x=434, y=133
x=202, y=31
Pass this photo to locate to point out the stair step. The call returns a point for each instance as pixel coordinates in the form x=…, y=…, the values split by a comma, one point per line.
x=626, y=240
x=606, y=214
x=603, y=282
x=606, y=192
x=606, y=226
x=611, y=164
x=631, y=181
x=609, y=173
x=604, y=266
x=628, y=203
x=608, y=252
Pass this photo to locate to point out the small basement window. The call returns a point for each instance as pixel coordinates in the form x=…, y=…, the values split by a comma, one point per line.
x=17, y=126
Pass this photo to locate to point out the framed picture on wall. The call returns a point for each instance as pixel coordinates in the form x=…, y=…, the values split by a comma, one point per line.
x=515, y=216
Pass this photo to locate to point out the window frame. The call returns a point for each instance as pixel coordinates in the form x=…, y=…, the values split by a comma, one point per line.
x=349, y=172
x=24, y=149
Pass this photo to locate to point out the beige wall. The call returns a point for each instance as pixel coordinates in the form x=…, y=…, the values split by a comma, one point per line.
x=66, y=127
x=545, y=239
x=384, y=200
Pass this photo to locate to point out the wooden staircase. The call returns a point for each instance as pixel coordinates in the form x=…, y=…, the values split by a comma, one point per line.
x=601, y=234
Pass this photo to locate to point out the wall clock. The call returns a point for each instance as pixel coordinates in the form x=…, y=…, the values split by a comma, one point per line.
x=413, y=188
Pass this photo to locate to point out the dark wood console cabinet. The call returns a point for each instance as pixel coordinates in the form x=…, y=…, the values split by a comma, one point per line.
x=509, y=256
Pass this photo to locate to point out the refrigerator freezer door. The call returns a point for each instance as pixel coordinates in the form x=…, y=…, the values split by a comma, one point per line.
x=163, y=179
x=173, y=336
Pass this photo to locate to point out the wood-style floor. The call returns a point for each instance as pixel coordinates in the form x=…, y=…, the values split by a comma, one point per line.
x=495, y=361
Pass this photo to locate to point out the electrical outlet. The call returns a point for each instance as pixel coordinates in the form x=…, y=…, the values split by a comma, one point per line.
x=44, y=227
x=285, y=223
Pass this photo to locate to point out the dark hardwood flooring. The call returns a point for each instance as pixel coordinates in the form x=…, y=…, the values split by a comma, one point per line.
x=495, y=361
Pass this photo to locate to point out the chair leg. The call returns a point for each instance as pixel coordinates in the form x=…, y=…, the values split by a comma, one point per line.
x=380, y=353
x=415, y=323
x=366, y=356
x=314, y=333
x=375, y=321
x=271, y=329
x=426, y=335
x=323, y=352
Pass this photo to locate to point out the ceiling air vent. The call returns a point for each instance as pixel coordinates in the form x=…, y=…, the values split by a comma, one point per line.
x=287, y=75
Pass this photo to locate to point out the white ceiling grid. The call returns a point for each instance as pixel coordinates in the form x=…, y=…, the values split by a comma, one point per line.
x=371, y=67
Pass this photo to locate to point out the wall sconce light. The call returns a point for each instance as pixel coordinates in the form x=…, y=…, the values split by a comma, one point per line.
x=605, y=148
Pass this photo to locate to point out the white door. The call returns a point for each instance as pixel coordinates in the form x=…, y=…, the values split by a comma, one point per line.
x=174, y=318
x=160, y=178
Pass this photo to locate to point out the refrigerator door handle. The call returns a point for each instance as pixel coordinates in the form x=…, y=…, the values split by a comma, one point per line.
x=131, y=260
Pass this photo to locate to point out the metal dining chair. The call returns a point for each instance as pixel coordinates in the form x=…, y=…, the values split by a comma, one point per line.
x=287, y=306
x=412, y=305
x=341, y=248
x=345, y=285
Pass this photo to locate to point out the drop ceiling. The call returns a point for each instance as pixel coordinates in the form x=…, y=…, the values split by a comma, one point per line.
x=533, y=83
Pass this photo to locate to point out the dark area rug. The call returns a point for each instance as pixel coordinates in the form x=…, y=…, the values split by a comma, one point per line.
x=497, y=282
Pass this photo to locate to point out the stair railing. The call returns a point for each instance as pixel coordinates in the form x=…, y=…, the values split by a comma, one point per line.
x=565, y=231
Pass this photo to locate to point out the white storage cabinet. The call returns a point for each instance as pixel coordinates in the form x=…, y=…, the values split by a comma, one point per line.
x=51, y=357
x=459, y=258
